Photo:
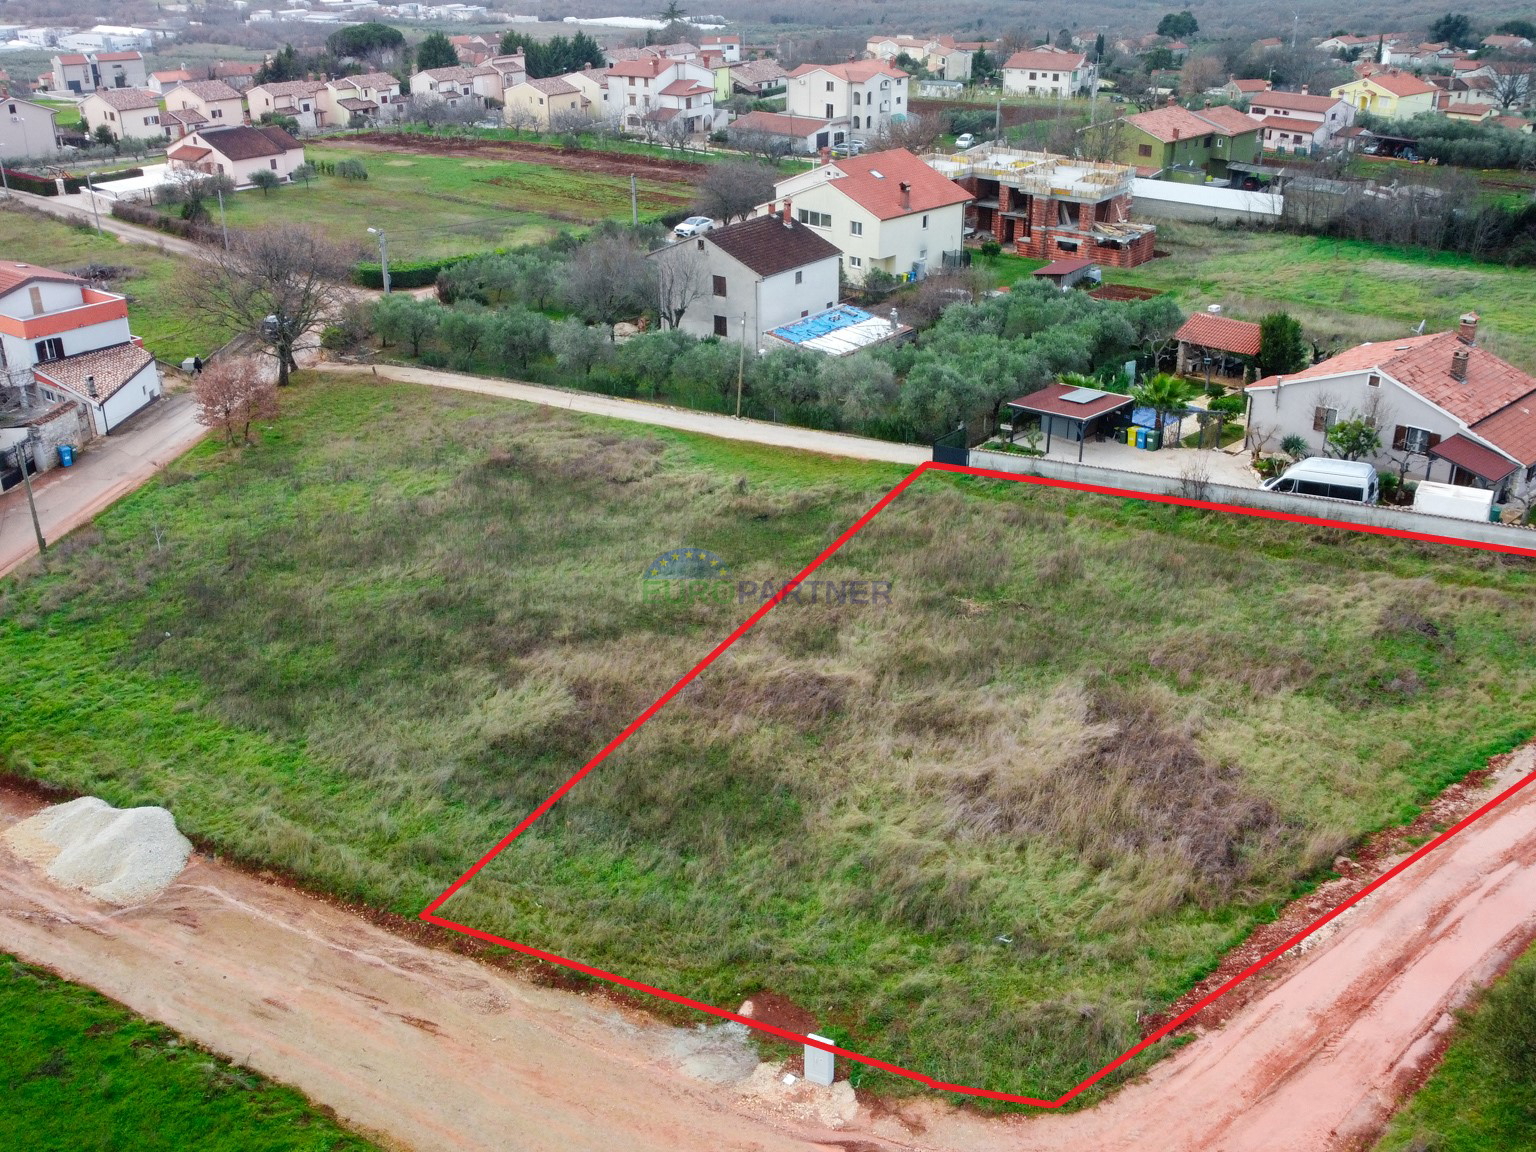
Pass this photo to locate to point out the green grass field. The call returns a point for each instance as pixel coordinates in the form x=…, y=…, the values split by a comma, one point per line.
x=146, y=279
x=1483, y=1095
x=980, y=831
x=66, y=112
x=1342, y=291
x=81, y=1071
x=435, y=206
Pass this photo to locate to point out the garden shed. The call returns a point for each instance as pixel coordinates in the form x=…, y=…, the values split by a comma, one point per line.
x=1072, y=413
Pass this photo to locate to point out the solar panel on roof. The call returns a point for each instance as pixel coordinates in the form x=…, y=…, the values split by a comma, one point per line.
x=1083, y=395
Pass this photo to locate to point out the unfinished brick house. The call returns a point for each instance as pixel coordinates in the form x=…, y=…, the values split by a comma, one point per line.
x=1048, y=207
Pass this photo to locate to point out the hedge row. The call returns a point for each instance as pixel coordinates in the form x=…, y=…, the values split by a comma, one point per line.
x=47, y=186
x=406, y=274
x=139, y=214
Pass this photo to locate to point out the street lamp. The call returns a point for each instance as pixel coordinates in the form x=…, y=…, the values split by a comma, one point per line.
x=383, y=254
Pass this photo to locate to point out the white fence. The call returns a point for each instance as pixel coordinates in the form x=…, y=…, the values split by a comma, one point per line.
x=1177, y=201
x=1399, y=519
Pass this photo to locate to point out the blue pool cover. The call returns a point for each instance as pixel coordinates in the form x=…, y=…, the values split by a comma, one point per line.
x=821, y=324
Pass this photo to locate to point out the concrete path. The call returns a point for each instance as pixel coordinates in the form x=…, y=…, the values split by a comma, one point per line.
x=112, y=467
x=661, y=415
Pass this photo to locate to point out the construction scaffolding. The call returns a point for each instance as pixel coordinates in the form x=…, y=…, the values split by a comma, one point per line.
x=1036, y=173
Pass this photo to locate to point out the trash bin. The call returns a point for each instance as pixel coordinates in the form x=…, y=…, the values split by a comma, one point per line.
x=1130, y=435
x=66, y=455
x=1141, y=438
x=1495, y=513
x=1154, y=439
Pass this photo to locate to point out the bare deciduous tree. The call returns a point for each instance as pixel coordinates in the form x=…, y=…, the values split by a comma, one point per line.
x=682, y=279
x=276, y=284
x=233, y=391
x=914, y=133
x=731, y=189
x=760, y=145
x=1512, y=83
x=608, y=280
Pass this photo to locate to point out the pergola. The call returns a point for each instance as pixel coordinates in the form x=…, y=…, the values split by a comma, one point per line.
x=1067, y=409
x=1470, y=460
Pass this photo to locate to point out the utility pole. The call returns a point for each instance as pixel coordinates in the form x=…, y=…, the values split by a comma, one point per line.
x=94, y=206
x=383, y=256
x=741, y=364
x=634, y=202
x=1295, y=27
x=26, y=478
x=223, y=226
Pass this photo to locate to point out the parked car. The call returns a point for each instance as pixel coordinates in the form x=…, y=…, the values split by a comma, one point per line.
x=694, y=226
x=848, y=148
x=965, y=140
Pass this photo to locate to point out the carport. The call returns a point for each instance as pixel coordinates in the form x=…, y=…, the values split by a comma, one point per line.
x=1473, y=465
x=1069, y=412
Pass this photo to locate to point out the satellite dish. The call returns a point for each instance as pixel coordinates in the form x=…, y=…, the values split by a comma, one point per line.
x=1419, y=331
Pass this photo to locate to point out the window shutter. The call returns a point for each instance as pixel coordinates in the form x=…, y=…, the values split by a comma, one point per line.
x=1319, y=419
x=1434, y=438
x=1399, y=438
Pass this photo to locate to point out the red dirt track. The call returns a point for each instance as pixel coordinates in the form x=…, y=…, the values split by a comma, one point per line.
x=430, y=913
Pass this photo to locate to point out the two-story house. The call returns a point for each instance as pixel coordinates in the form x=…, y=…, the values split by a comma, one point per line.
x=85, y=72
x=124, y=112
x=238, y=151
x=882, y=210
x=1182, y=144
x=1298, y=121
x=27, y=129
x=212, y=101
x=861, y=96
x=1444, y=408
x=544, y=103
x=72, y=73
x=729, y=46
x=1047, y=71
x=68, y=347
x=941, y=55
x=302, y=101
x=740, y=281
x=1390, y=95
x=650, y=92
x=355, y=101
x=455, y=87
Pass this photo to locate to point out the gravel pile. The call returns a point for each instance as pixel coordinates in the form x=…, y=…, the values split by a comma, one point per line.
x=122, y=856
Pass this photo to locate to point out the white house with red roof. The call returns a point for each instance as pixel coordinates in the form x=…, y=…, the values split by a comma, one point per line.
x=303, y=101
x=67, y=346
x=1298, y=121
x=1449, y=409
x=941, y=55
x=123, y=112
x=882, y=210
x=649, y=93
x=1048, y=71
x=860, y=96
x=729, y=47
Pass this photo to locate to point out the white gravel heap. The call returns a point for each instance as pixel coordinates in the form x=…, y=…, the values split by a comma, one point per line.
x=122, y=856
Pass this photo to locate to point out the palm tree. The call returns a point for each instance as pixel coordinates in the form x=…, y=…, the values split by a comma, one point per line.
x=1163, y=394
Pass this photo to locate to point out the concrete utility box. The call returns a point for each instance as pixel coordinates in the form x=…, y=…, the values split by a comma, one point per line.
x=820, y=1065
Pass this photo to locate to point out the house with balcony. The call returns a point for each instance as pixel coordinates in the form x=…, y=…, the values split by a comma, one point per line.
x=212, y=100
x=1298, y=122
x=357, y=101
x=1391, y=95
x=758, y=78
x=1047, y=71
x=860, y=97
x=648, y=93
x=124, y=112
x=454, y=87
x=70, y=369
x=885, y=211
x=729, y=46
x=1049, y=207
x=1445, y=408
x=303, y=101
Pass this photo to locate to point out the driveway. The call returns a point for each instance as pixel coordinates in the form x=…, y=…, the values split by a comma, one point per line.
x=110, y=468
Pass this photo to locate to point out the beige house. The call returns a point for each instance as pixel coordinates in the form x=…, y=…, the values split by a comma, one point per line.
x=882, y=210
x=239, y=152
x=163, y=82
x=214, y=100
x=301, y=100
x=453, y=86
x=27, y=130
x=860, y=97
x=543, y=103
x=353, y=101
x=939, y=54
x=593, y=88
x=1047, y=71
x=125, y=112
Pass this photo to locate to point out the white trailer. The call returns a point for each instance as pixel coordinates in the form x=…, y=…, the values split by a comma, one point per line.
x=1453, y=500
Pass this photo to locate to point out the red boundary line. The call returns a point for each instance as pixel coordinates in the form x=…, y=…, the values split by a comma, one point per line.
x=430, y=915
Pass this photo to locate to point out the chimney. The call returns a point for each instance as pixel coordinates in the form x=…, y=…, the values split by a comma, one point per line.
x=1176, y=135
x=786, y=210
x=906, y=196
x=826, y=156
x=90, y=387
x=1466, y=331
x=1303, y=89
x=1459, y=364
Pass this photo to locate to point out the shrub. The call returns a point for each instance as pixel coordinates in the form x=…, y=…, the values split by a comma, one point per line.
x=404, y=274
x=351, y=170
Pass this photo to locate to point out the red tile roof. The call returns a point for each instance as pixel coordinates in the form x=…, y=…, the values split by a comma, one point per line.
x=128, y=99
x=1240, y=337
x=855, y=72
x=109, y=368
x=72, y=58
x=874, y=181
x=649, y=67
x=1064, y=267
x=778, y=124
x=1401, y=84
x=118, y=57
x=1290, y=124
x=684, y=88
x=1295, y=101
x=1513, y=429
x=188, y=153
x=769, y=245
x=1474, y=457
x=14, y=275
x=214, y=90
x=1250, y=85
x=1047, y=59
x=1172, y=123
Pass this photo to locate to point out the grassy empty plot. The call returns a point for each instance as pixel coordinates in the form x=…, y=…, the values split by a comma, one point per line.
x=1343, y=291
x=144, y=275
x=980, y=831
x=435, y=206
x=1483, y=1096
x=81, y=1071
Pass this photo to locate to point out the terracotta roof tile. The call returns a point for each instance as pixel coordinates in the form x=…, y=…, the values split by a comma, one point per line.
x=1295, y=101
x=129, y=99
x=13, y=275
x=769, y=245
x=214, y=90
x=854, y=72
x=1467, y=453
x=778, y=124
x=1222, y=332
x=1513, y=429
x=874, y=181
x=1048, y=59
x=110, y=369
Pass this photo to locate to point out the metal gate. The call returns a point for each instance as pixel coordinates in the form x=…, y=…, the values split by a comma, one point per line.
x=953, y=448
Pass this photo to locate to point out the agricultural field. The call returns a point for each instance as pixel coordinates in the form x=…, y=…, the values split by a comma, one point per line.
x=983, y=830
x=83, y=1072
x=432, y=206
x=144, y=275
x=1342, y=291
x=1483, y=1095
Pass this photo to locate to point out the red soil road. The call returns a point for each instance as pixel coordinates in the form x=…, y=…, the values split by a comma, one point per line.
x=432, y=1050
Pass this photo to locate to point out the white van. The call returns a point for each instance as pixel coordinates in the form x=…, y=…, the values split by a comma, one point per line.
x=1453, y=500
x=1332, y=479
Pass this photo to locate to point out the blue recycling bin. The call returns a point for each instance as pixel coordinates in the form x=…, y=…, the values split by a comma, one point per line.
x=66, y=455
x=1141, y=438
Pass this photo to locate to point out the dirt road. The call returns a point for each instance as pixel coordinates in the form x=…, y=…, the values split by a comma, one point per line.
x=436, y=1051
